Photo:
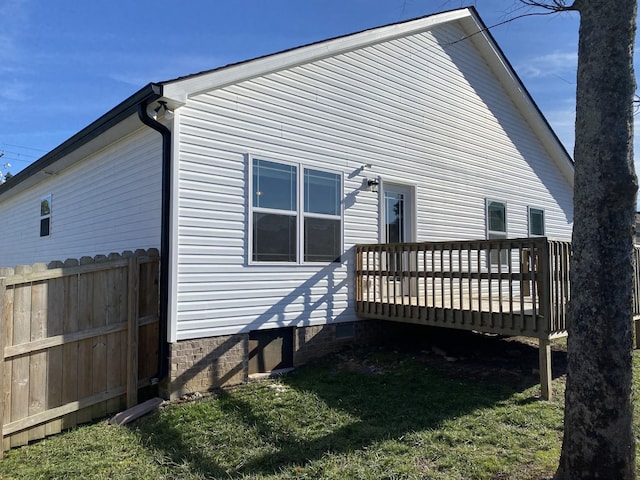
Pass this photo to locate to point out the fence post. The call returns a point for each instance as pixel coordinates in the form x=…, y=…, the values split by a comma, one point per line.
x=3, y=330
x=132, y=331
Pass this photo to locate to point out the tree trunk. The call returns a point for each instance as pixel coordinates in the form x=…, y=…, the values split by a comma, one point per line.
x=598, y=437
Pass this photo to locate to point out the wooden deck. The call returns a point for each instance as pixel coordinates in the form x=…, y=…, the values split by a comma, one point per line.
x=515, y=287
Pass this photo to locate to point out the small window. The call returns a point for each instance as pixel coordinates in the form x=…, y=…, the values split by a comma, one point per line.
x=496, y=220
x=497, y=229
x=45, y=216
x=536, y=222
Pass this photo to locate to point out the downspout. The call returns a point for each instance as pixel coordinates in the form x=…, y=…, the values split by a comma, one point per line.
x=165, y=236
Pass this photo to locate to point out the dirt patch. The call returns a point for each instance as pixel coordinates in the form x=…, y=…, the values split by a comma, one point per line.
x=512, y=361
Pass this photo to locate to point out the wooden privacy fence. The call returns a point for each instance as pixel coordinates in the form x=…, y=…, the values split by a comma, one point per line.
x=77, y=339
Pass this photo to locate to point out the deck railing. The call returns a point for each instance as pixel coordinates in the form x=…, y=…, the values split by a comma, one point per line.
x=507, y=286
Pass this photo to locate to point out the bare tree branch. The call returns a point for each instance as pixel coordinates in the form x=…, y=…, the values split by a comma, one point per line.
x=553, y=5
x=508, y=20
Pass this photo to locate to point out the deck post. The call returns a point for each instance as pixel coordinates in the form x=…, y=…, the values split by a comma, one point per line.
x=545, y=368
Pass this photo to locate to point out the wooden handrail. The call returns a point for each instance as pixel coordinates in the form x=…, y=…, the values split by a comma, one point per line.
x=526, y=278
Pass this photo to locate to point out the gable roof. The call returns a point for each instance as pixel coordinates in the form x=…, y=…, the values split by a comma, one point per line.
x=175, y=92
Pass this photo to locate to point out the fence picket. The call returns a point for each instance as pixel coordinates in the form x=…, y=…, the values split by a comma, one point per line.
x=100, y=306
x=20, y=365
x=38, y=360
x=54, y=381
x=133, y=286
x=117, y=313
x=70, y=350
x=3, y=289
x=85, y=347
x=7, y=333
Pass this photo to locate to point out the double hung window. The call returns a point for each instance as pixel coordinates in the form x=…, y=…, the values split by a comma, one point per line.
x=296, y=213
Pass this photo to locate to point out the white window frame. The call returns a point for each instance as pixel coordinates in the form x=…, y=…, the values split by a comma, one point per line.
x=544, y=226
x=299, y=213
x=48, y=216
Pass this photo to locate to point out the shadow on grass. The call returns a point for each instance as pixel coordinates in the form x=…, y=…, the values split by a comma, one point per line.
x=176, y=446
x=386, y=394
x=387, y=405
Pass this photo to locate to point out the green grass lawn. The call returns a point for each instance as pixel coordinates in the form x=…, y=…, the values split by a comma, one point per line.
x=363, y=414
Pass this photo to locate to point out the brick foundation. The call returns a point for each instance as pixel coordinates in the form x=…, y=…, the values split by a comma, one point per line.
x=203, y=364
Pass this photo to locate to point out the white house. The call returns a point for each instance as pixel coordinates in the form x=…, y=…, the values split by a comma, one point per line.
x=256, y=180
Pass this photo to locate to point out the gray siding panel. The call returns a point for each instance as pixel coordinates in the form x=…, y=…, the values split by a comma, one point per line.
x=424, y=115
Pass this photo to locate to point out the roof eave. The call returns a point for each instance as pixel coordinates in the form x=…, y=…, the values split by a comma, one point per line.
x=107, y=121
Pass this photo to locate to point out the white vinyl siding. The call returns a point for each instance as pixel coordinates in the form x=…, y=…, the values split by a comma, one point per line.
x=108, y=203
x=419, y=113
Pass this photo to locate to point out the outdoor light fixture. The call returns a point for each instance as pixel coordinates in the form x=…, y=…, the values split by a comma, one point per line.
x=162, y=109
x=372, y=184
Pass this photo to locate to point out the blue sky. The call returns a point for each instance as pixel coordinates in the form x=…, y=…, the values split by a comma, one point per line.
x=64, y=63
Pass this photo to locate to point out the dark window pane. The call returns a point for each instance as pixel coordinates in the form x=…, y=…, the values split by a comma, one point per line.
x=274, y=185
x=44, y=227
x=496, y=217
x=321, y=192
x=536, y=221
x=322, y=240
x=274, y=238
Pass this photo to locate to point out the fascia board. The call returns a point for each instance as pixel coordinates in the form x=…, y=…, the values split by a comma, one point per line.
x=181, y=89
